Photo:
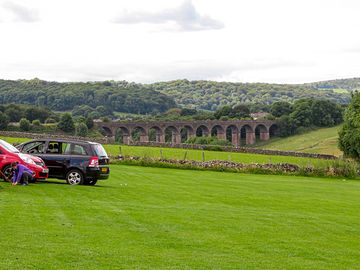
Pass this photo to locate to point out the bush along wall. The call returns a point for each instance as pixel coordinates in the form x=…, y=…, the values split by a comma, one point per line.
x=337, y=168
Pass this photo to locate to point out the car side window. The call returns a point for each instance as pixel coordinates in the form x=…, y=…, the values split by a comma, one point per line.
x=78, y=149
x=53, y=148
x=37, y=147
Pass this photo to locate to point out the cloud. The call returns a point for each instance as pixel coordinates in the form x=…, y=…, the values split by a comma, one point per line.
x=21, y=13
x=186, y=18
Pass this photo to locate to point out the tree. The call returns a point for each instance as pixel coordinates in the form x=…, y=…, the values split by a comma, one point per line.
x=89, y=122
x=280, y=108
x=4, y=121
x=66, y=123
x=240, y=111
x=34, y=113
x=82, y=130
x=24, y=124
x=302, y=114
x=14, y=112
x=223, y=111
x=349, y=135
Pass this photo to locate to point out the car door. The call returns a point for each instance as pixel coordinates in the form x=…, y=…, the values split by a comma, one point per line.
x=56, y=159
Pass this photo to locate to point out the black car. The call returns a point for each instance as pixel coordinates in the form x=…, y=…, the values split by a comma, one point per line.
x=79, y=162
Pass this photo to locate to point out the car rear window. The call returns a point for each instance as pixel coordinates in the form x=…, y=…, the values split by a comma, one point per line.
x=99, y=150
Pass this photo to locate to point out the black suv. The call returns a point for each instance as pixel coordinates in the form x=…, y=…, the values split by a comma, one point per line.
x=78, y=162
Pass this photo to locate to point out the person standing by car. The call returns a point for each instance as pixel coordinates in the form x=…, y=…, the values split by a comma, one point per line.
x=21, y=174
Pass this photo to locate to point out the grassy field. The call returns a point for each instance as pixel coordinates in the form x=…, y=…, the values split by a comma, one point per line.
x=175, y=153
x=322, y=141
x=150, y=218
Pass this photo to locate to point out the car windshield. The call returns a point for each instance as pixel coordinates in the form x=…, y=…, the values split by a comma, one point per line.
x=99, y=150
x=9, y=147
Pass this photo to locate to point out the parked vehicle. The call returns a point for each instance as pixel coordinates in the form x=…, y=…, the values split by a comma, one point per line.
x=9, y=154
x=78, y=162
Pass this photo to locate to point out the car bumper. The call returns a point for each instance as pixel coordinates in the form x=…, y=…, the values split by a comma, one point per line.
x=98, y=173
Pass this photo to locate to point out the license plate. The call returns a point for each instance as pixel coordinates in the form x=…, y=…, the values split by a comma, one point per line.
x=45, y=171
x=104, y=170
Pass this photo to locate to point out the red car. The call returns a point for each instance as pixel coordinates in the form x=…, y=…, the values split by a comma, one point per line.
x=9, y=154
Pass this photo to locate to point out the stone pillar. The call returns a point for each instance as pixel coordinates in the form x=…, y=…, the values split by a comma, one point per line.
x=160, y=138
x=110, y=140
x=250, y=137
x=264, y=136
x=175, y=138
x=221, y=135
x=126, y=139
x=144, y=138
x=235, y=138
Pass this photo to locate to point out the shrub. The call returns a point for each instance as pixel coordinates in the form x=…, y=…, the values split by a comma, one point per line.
x=50, y=121
x=36, y=123
x=66, y=123
x=24, y=124
x=4, y=121
x=81, y=130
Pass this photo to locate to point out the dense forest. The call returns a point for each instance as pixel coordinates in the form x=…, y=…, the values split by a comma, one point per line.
x=114, y=96
x=210, y=95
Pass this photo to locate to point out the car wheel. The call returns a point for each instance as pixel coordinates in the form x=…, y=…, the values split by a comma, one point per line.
x=7, y=171
x=90, y=182
x=74, y=177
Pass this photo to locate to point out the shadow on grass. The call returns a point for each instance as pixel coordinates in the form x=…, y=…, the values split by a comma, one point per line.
x=63, y=182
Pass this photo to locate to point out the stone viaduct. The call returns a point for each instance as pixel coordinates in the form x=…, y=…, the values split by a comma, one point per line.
x=239, y=132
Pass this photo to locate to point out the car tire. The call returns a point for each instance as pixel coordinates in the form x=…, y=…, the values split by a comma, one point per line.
x=74, y=177
x=90, y=182
x=6, y=170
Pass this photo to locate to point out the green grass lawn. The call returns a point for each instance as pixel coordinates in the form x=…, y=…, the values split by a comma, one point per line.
x=150, y=218
x=324, y=141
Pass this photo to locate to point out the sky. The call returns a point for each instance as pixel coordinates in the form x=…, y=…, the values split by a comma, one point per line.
x=277, y=41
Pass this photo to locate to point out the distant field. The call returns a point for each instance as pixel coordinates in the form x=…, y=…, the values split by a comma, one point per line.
x=151, y=218
x=175, y=153
x=322, y=141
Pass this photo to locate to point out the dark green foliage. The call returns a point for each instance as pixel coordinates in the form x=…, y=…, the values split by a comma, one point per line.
x=349, y=135
x=66, y=123
x=24, y=124
x=114, y=96
x=239, y=111
x=281, y=108
x=89, y=122
x=4, y=121
x=82, y=130
x=14, y=112
x=287, y=126
x=50, y=121
x=37, y=113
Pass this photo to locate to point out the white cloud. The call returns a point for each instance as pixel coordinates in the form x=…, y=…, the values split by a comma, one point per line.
x=185, y=17
x=21, y=13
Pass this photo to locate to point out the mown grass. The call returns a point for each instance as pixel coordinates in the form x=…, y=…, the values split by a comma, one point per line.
x=151, y=218
x=323, y=141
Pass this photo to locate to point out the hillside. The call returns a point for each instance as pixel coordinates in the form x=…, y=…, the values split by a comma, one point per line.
x=323, y=141
x=114, y=96
x=210, y=95
x=126, y=97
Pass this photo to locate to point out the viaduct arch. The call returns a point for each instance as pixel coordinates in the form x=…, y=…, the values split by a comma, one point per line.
x=239, y=132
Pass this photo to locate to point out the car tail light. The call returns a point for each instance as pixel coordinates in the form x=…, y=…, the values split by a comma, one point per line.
x=94, y=162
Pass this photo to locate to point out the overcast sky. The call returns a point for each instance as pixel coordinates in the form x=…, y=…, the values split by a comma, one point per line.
x=144, y=41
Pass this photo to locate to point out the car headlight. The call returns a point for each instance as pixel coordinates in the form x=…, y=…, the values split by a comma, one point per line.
x=26, y=159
